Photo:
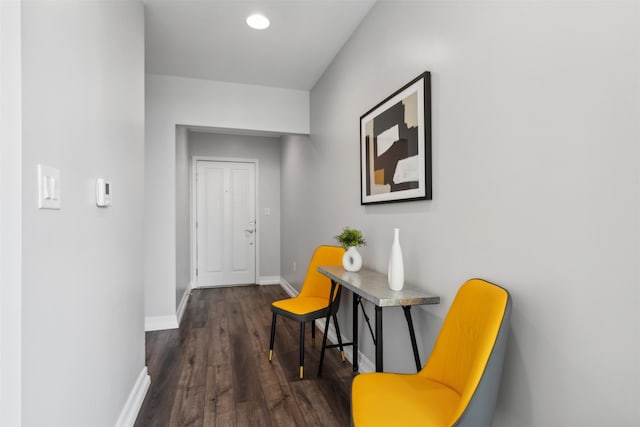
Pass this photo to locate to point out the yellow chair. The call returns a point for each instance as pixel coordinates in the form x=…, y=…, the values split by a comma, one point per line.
x=459, y=384
x=313, y=300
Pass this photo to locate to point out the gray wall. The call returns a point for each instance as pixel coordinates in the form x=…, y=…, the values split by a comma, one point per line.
x=267, y=151
x=82, y=289
x=183, y=212
x=535, y=148
x=304, y=174
x=10, y=213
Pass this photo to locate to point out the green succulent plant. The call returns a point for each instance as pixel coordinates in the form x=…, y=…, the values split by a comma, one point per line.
x=350, y=237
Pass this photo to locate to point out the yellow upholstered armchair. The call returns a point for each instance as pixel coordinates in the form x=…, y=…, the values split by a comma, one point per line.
x=313, y=300
x=459, y=384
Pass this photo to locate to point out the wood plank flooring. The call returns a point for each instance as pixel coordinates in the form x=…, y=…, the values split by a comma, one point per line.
x=214, y=370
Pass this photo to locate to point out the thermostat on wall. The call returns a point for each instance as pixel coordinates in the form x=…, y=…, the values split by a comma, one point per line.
x=103, y=193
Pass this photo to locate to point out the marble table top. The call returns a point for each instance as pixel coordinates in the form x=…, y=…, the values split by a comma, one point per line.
x=373, y=287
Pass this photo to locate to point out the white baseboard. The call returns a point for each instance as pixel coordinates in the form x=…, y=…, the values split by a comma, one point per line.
x=290, y=290
x=269, y=280
x=183, y=302
x=158, y=323
x=364, y=364
x=134, y=402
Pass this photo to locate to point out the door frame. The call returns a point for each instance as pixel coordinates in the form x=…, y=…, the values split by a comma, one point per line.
x=194, y=211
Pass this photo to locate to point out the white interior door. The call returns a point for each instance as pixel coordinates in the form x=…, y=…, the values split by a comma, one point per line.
x=225, y=223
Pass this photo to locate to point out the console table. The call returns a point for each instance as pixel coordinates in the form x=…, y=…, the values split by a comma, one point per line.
x=373, y=287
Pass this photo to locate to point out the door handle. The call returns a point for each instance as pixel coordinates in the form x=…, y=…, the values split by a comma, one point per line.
x=250, y=231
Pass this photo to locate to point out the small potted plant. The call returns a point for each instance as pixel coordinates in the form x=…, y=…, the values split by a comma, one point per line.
x=350, y=239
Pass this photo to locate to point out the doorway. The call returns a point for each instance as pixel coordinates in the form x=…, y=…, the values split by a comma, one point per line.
x=225, y=222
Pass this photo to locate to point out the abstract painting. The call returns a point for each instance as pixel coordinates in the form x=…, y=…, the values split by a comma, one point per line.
x=395, y=146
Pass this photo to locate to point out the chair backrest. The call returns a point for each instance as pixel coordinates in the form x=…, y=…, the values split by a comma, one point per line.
x=316, y=284
x=469, y=352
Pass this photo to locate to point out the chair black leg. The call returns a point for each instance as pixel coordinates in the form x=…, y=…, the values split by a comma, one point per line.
x=335, y=323
x=301, y=350
x=313, y=333
x=273, y=336
x=324, y=345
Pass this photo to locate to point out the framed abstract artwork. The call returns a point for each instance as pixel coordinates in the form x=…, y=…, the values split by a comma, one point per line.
x=395, y=146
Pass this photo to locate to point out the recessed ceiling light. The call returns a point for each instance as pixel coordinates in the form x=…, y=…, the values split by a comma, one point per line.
x=258, y=21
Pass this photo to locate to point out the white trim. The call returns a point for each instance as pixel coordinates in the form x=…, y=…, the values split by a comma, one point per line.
x=364, y=364
x=286, y=286
x=134, y=402
x=192, y=222
x=194, y=210
x=158, y=323
x=269, y=280
x=183, y=302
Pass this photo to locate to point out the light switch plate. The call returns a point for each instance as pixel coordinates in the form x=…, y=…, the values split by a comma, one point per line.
x=49, y=188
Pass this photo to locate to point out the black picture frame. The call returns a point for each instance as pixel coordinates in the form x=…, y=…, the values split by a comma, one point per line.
x=395, y=146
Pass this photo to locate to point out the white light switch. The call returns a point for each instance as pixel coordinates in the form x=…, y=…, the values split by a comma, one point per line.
x=49, y=188
x=267, y=211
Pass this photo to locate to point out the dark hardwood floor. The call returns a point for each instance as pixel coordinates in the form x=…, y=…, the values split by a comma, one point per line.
x=214, y=370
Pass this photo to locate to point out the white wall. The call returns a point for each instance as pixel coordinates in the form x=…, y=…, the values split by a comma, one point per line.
x=82, y=281
x=172, y=101
x=535, y=148
x=267, y=151
x=183, y=212
x=10, y=214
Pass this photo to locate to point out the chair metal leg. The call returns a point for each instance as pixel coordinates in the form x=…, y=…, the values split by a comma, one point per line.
x=301, y=350
x=313, y=333
x=273, y=335
x=335, y=323
x=324, y=345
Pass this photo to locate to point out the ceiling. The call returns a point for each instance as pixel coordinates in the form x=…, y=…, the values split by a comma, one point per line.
x=209, y=39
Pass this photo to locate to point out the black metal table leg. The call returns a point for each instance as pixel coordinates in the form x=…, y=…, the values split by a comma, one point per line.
x=412, y=334
x=378, y=344
x=354, y=331
x=366, y=319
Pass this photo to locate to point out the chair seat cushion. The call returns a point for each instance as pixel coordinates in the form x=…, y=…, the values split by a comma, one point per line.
x=301, y=305
x=383, y=399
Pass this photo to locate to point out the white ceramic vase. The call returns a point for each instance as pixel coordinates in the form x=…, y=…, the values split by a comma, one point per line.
x=351, y=260
x=396, y=265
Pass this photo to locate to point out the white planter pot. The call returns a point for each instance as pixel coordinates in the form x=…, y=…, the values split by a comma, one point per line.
x=351, y=260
